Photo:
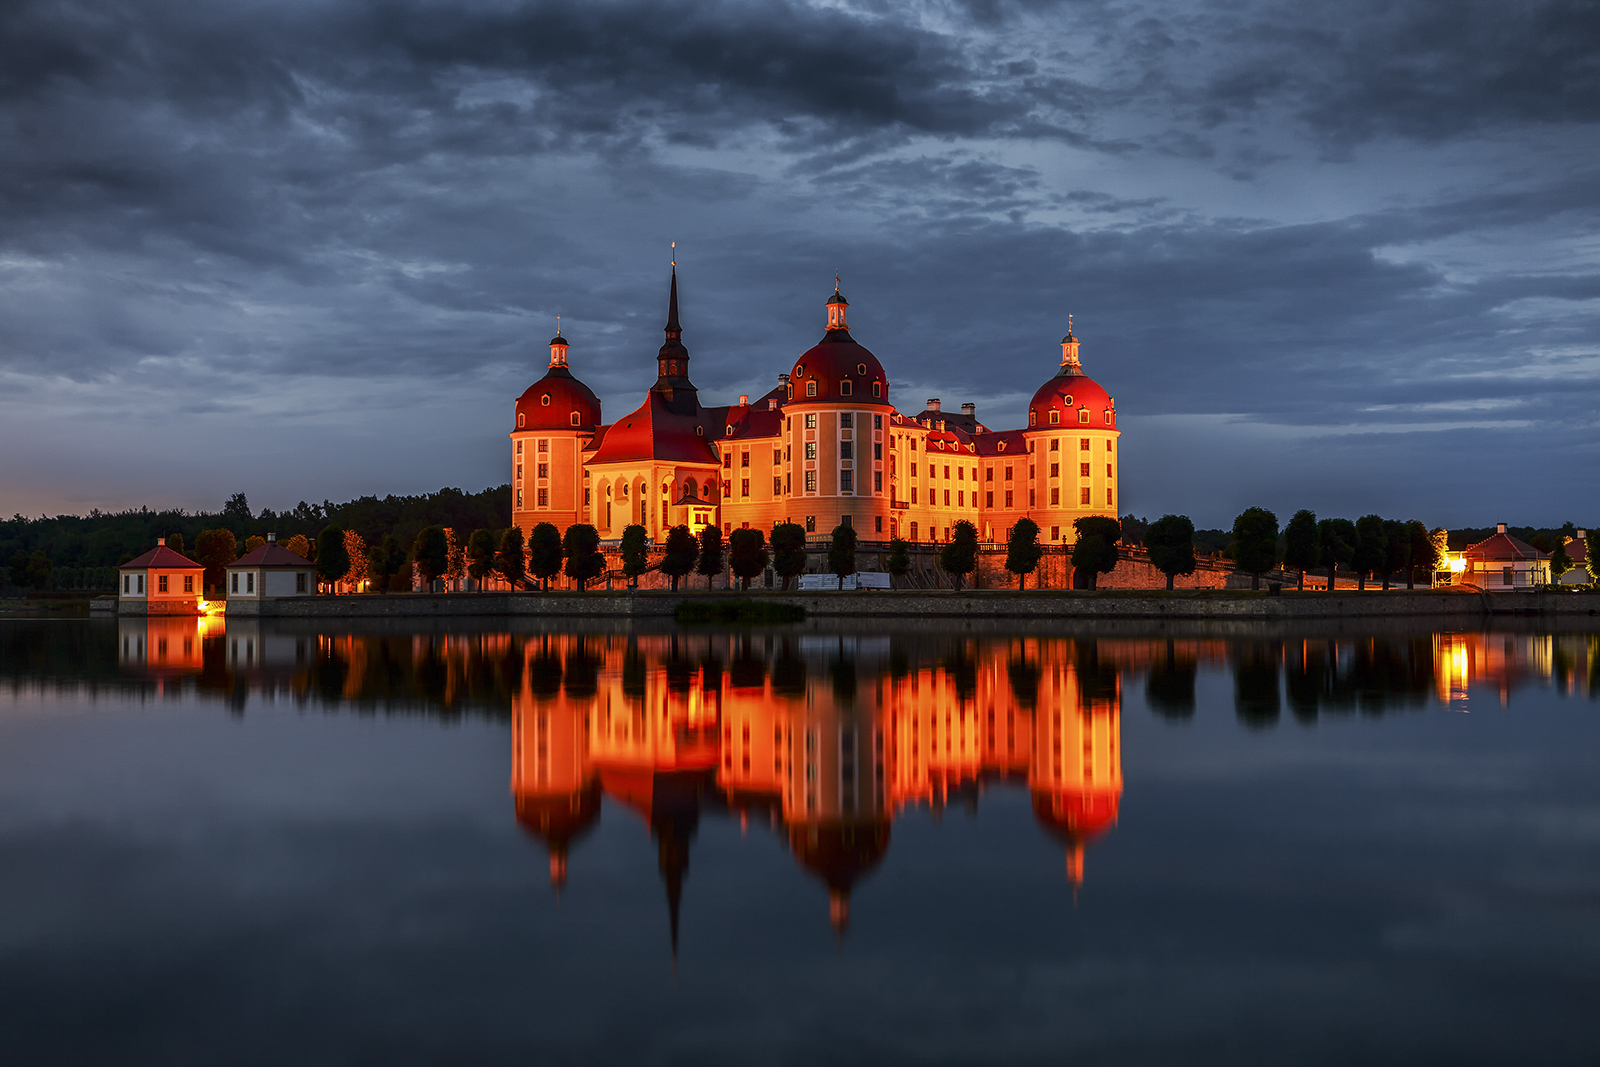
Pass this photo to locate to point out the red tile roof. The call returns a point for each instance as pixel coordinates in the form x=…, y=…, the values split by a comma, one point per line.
x=1502, y=546
x=271, y=554
x=654, y=432
x=162, y=558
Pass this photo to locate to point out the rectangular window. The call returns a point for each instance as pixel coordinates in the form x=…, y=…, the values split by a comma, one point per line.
x=1055, y=470
x=1108, y=498
x=188, y=583
x=1030, y=498
x=777, y=456
x=913, y=494
x=811, y=521
x=1055, y=497
x=811, y=387
x=235, y=587
x=947, y=470
x=877, y=523
x=519, y=472
x=1083, y=415
x=1008, y=474
x=844, y=418
x=1055, y=533
x=519, y=498
x=744, y=487
x=1008, y=499
x=744, y=459
x=811, y=450
x=519, y=448
x=727, y=461
x=845, y=450
x=877, y=481
x=912, y=441
x=250, y=582
x=1505, y=576
x=845, y=387
x=1030, y=472
x=161, y=583
x=727, y=489
x=544, y=498
x=988, y=474
x=777, y=486
x=811, y=481
x=961, y=500
x=1083, y=444
x=811, y=421
x=300, y=582
x=960, y=474
x=877, y=424
x=846, y=481
x=1055, y=445
x=1108, y=471
x=1109, y=448
x=127, y=583
x=1084, y=496
x=988, y=500
x=947, y=498
x=1083, y=470
x=544, y=470
x=544, y=446
x=877, y=450
x=913, y=531
x=913, y=470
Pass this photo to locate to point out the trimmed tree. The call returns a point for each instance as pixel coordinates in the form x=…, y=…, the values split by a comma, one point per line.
x=386, y=559
x=511, y=557
x=1255, y=543
x=1095, y=551
x=252, y=543
x=1023, y=551
x=842, y=552
x=1592, y=556
x=1170, y=542
x=1420, y=553
x=1372, y=548
x=710, y=561
x=480, y=555
x=1559, y=562
x=899, y=561
x=298, y=544
x=788, y=551
x=959, y=558
x=1301, y=549
x=544, y=553
x=431, y=554
x=333, y=559
x=1396, y=550
x=214, y=550
x=681, y=552
x=585, y=562
x=635, y=553
x=747, y=554
x=1336, y=539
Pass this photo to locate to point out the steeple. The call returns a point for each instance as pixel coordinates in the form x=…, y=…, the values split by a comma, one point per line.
x=836, y=309
x=558, y=347
x=672, y=362
x=1069, y=352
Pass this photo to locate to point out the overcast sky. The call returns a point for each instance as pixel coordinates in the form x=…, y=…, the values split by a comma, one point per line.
x=1338, y=256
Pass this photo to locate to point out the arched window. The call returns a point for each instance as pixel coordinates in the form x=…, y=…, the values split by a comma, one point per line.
x=575, y=419
x=1083, y=415
x=1033, y=417
x=1055, y=416
x=811, y=388
x=877, y=389
x=522, y=420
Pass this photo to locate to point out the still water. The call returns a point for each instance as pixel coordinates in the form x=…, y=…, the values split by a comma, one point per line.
x=825, y=843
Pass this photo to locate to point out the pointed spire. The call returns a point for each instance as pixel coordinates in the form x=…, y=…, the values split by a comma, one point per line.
x=672, y=303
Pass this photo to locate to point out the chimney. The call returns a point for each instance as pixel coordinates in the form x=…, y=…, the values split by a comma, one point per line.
x=969, y=410
x=1499, y=527
x=783, y=379
x=271, y=538
x=933, y=403
x=772, y=405
x=161, y=542
x=744, y=400
x=1583, y=535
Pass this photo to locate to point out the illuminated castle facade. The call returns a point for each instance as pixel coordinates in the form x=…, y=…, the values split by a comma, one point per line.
x=825, y=447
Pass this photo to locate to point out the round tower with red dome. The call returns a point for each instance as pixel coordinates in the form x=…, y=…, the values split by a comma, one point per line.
x=555, y=418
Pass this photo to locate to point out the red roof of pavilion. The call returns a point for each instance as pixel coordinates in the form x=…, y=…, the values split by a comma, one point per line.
x=1502, y=546
x=271, y=554
x=162, y=558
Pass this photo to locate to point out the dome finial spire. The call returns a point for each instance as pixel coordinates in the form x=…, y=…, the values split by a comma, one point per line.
x=836, y=308
x=1069, y=351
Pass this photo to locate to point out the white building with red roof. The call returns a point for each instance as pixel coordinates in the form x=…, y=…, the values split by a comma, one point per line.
x=270, y=572
x=1503, y=564
x=160, y=582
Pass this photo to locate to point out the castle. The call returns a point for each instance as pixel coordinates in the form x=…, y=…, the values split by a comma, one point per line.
x=825, y=447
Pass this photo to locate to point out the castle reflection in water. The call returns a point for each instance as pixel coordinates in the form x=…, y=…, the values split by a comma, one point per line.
x=828, y=737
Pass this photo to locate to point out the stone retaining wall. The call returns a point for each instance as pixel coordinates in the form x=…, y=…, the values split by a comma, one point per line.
x=1441, y=603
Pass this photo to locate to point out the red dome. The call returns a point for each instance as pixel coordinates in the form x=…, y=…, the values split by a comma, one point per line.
x=1070, y=394
x=1077, y=815
x=550, y=403
x=836, y=360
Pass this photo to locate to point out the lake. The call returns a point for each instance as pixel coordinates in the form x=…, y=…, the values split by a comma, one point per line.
x=931, y=842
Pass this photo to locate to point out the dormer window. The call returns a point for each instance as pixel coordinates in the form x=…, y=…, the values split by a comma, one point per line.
x=1055, y=416
x=845, y=387
x=522, y=420
x=1033, y=418
x=545, y=400
x=1067, y=400
x=1083, y=415
x=811, y=388
x=699, y=431
x=877, y=389
x=1108, y=416
x=575, y=419
x=1000, y=446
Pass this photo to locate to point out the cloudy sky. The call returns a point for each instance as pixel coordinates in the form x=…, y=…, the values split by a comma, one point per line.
x=1338, y=256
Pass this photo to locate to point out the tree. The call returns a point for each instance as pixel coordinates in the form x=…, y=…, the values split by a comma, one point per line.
x=747, y=554
x=1255, y=543
x=431, y=554
x=1023, y=549
x=1301, y=549
x=37, y=573
x=298, y=544
x=1133, y=530
x=237, y=509
x=251, y=544
x=959, y=557
x=789, y=551
x=1396, y=549
x=480, y=555
x=214, y=550
x=581, y=546
x=1559, y=562
x=386, y=559
x=511, y=557
x=899, y=561
x=1095, y=551
x=175, y=542
x=1421, y=553
x=455, y=567
x=19, y=567
x=710, y=562
x=544, y=553
x=1592, y=556
x=1336, y=539
x=635, y=553
x=356, y=549
x=1170, y=542
x=1372, y=548
x=333, y=560
x=681, y=552
x=842, y=552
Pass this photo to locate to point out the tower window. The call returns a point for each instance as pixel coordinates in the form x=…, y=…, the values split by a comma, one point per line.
x=542, y=446
x=544, y=498
x=811, y=524
x=846, y=481
x=877, y=388
x=846, y=387
x=1055, y=416
x=575, y=419
x=1083, y=415
x=811, y=388
x=522, y=420
x=1084, y=495
x=1108, y=416
x=1055, y=444
x=519, y=448
x=811, y=421
x=844, y=419
x=1083, y=444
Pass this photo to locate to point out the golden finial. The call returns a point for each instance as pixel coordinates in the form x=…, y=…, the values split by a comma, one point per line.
x=836, y=281
x=1069, y=323
x=674, y=255
x=558, y=325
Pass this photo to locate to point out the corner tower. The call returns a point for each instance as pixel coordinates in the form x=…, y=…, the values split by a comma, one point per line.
x=555, y=418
